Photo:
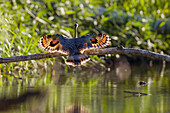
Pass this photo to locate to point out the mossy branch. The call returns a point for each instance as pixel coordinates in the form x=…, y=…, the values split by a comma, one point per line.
x=115, y=50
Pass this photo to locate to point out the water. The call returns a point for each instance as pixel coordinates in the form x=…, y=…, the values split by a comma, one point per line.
x=88, y=91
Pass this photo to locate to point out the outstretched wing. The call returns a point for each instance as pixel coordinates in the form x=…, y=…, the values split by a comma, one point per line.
x=54, y=43
x=92, y=41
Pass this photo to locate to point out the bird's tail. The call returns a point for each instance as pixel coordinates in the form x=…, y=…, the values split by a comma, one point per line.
x=77, y=60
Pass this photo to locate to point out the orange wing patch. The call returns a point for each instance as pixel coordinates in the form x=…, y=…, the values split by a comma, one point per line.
x=102, y=41
x=51, y=43
x=95, y=41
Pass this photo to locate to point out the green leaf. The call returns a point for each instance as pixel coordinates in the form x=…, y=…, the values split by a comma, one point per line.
x=105, y=19
x=84, y=32
x=70, y=12
x=162, y=24
x=166, y=5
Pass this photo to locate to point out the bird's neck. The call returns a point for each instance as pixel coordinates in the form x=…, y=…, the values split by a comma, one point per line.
x=75, y=36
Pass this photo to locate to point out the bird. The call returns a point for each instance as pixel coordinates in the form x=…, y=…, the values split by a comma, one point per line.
x=74, y=47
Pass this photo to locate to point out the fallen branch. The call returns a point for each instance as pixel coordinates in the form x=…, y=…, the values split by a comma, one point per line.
x=115, y=50
x=136, y=93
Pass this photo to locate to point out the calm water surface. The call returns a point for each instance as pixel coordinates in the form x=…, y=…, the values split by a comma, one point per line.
x=56, y=91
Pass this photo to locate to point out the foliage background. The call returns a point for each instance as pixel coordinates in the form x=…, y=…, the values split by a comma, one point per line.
x=131, y=23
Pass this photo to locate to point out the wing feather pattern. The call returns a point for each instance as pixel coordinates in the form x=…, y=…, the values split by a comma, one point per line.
x=90, y=41
x=54, y=43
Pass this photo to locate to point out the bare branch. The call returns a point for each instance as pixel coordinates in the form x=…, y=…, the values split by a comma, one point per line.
x=129, y=51
x=115, y=50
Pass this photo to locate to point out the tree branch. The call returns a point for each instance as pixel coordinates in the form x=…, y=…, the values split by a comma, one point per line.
x=115, y=50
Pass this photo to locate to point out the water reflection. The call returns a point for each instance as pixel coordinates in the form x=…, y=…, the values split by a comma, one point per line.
x=8, y=103
x=88, y=91
x=121, y=70
x=76, y=109
x=133, y=93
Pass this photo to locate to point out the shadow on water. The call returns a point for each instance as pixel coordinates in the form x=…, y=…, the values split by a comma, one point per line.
x=7, y=103
x=11, y=103
x=61, y=89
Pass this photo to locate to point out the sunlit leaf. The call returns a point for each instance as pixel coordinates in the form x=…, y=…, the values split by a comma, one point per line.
x=105, y=19
x=70, y=12
x=84, y=32
x=162, y=24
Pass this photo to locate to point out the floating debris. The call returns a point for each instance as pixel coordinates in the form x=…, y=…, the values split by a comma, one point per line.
x=136, y=93
x=142, y=83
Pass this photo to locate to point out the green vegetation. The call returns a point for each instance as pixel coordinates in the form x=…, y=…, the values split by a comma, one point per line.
x=127, y=22
x=131, y=23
